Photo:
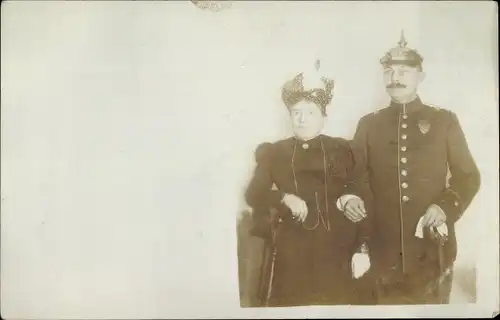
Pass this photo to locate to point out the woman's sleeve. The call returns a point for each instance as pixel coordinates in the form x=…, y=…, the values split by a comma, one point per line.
x=259, y=192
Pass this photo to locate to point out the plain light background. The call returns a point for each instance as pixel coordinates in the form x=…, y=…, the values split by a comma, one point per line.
x=128, y=132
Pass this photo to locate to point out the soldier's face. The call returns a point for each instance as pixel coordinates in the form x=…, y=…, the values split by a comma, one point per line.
x=307, y=120
x=402, y=81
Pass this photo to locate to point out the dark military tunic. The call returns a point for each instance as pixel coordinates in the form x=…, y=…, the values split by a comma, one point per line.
x=313, y=258
x=405, y=154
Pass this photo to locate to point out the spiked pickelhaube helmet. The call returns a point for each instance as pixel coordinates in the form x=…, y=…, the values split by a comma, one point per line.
x=401, y=54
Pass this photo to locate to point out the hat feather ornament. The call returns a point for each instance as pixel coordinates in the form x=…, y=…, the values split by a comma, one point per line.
x=309, y=86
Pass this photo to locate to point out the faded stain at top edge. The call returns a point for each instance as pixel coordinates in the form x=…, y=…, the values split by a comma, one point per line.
x=214, y=6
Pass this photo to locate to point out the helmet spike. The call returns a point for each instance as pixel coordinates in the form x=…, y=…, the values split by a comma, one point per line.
x=317, y=64
x=402, y=40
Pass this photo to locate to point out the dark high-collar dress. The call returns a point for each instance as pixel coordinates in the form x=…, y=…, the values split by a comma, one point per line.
x=312, y=258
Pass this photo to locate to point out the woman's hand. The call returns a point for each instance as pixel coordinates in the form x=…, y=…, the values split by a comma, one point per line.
x=296, y=205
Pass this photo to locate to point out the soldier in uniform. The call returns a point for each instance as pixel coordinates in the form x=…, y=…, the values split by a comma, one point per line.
x=301, y=178
x=415, y=165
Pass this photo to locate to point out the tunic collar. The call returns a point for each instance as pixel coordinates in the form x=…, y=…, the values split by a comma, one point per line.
x=410, y=107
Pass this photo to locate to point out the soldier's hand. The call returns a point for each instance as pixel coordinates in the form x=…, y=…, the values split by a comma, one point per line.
x=355, y=210
x=434, y=216
x=297, y=206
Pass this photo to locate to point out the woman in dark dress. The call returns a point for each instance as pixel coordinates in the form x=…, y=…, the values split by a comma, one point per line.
x=301, y=178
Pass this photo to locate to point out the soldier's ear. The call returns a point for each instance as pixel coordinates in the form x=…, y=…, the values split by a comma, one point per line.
x=421, y=76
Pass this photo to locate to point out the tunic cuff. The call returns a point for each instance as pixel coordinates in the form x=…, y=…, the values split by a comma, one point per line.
x=449, y=202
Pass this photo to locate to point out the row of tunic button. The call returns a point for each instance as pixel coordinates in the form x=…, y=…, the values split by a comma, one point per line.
x=404, y=160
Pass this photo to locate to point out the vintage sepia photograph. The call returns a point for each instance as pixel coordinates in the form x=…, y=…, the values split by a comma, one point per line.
x=356, y=207
x=249, y=159
x=383, y=215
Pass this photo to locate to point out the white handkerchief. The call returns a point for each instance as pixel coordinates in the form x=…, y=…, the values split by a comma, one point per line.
x=360, y=264
x=419, y=232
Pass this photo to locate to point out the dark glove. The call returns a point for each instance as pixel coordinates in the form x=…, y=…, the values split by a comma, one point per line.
x=261, y=228
x=264, y=220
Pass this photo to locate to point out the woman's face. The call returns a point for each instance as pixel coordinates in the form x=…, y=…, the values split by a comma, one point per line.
x=307, y=120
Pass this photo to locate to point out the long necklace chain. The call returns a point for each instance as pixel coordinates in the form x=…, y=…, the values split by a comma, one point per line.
x=326, y=224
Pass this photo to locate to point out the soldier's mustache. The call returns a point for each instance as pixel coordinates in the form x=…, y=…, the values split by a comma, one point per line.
x=395, y=85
